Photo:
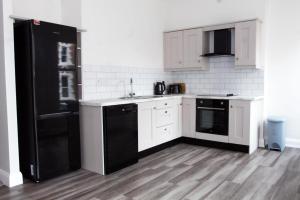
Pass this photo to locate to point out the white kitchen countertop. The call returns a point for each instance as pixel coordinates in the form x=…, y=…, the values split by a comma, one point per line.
x=118, y=101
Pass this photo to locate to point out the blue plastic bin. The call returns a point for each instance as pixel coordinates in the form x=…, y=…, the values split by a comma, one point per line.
x=276, y=133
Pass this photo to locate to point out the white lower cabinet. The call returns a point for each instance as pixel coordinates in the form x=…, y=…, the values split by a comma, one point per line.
x=163, y=116
x=178, y=118
x=145, y=125
x=239, y=122
x=245, y=123
x=165, y=120
x=189, y=117
x=163, y=134
x=159, y=122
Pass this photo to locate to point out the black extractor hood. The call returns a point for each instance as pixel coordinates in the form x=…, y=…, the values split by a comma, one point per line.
x=220, y=43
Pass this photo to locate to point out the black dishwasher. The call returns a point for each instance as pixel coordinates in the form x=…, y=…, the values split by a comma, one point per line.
x=120, y=126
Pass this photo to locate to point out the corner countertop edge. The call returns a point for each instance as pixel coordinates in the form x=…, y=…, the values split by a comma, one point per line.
x=118, y=101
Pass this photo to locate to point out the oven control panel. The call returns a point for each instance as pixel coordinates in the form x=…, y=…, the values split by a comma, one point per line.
x=213, y=103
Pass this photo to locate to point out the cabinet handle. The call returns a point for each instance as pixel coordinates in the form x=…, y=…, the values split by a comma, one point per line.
x=231, y=106
x=166, y=129
x=237, y=58
x=166, y=112
x=166, y=104
x=154, y=108
x=199, y=61
x=180, y=104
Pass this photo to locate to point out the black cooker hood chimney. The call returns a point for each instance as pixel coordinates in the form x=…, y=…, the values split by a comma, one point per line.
x=221, y=43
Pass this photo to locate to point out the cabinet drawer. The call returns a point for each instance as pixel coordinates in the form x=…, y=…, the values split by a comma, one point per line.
x=164, y=117
x=164, y=134
x=165, y=104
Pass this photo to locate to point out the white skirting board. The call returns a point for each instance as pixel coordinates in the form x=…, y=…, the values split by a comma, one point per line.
x=261, y=143
x=295, y=143
x=11, y=179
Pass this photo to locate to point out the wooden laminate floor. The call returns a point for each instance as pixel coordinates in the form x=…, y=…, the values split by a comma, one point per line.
x=180, y=172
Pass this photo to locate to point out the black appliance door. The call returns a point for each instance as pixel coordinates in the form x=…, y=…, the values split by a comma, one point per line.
x=120, y=136
x=212, y=117
x=55, y=70
x=58, y=145
x=212, y=121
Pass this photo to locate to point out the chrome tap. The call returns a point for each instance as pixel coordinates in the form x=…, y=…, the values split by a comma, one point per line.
x=131, y=94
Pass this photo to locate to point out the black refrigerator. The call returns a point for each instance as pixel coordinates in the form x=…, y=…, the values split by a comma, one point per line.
x=47, y=99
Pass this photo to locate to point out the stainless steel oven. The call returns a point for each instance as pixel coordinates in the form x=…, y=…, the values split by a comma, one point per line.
x=212, y=116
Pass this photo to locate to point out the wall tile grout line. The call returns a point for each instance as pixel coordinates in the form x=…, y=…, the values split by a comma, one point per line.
x=103, y=81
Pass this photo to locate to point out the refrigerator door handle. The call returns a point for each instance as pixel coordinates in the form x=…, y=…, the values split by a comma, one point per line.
x=54, y=115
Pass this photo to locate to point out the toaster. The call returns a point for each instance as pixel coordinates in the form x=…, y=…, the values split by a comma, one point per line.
x=176, y=89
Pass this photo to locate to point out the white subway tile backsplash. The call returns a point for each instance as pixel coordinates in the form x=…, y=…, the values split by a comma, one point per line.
x=114, y=81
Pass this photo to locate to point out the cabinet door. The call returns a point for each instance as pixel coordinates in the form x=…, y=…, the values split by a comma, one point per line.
x=58, y=139
x=145, y=125
x=173, y=50
x=178, y=119
x=189, y=118
x=239, y=122
x=246, y=43
x=163, y=134
x=164, y=116
x=193, y=49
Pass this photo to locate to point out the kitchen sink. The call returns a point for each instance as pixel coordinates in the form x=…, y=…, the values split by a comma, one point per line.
x=141, y=97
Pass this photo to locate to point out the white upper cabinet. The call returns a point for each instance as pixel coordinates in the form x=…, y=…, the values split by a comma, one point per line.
x=173, y=50
x=247, y=44
x=183, y=50
x=193, y=49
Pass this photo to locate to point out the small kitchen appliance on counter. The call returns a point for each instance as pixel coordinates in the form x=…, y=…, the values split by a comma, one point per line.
x=159, y=88
x=176, y=88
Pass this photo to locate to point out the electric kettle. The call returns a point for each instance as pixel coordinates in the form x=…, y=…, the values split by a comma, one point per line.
x=159, y=88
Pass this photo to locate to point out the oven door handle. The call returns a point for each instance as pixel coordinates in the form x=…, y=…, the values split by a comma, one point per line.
x=209, y=108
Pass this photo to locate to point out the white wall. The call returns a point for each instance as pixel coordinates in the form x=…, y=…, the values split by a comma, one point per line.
x=192, y=13
x=47, y=10
x=123, y=33
x=9, y=152
x=283, y=72
x=103, y=82
x=66, y=12
x=71, y=12
x=4, y=165
x=223, y=78
x=129, y=33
